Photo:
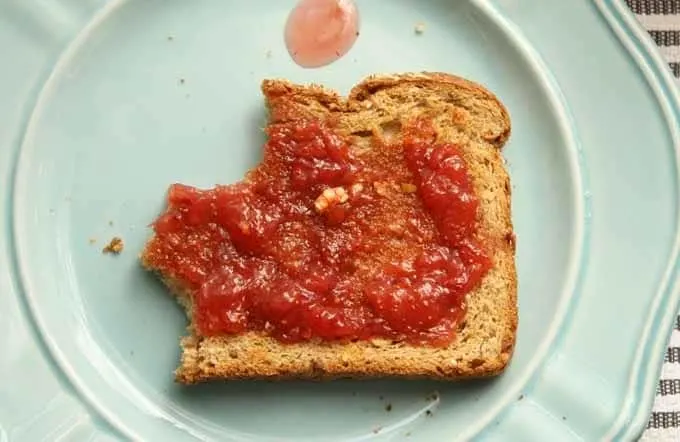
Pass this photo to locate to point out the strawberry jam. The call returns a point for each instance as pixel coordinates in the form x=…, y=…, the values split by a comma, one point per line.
x=326, y=241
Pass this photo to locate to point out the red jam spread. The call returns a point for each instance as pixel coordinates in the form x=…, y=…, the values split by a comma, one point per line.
x=327, y=241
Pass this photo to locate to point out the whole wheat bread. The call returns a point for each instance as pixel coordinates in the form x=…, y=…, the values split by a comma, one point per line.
x=463, y=113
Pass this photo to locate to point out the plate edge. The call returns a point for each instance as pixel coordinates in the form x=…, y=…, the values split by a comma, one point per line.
x=641, y=389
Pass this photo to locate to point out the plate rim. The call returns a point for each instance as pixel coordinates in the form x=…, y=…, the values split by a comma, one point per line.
x=641, y=389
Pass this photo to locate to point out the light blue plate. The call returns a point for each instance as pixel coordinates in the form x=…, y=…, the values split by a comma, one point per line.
x=106, y=103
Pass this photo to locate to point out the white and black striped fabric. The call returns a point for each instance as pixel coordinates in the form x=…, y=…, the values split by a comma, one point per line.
x=664, y=423
x=661, y=18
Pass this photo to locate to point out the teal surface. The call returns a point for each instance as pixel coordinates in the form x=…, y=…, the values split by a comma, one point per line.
x=106, y=103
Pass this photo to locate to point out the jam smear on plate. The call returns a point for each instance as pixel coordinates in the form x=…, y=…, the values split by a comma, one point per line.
x=319, y=32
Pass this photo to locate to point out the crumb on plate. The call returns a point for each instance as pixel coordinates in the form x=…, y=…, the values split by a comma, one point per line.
x=114, y=246
x=432, y=396
x=419, y=28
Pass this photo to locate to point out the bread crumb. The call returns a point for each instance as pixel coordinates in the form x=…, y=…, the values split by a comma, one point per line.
x=428, y=412
x=379, y=343
x=460, y=117
x=432, y=396
x=114, y=246
x=377, y=430
x=170, y=38
x=381, y=188
x=419, y=28
x=181, y=81
x=397, y=229
x=92, y=240
x=110, y=223
x=521, y=396
x=330, y=197
x=388, y=407
x=408, y=188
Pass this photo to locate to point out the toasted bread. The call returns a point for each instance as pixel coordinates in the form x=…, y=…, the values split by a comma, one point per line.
x=463, y=113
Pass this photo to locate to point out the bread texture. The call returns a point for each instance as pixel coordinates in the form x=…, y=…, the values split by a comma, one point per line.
x=463, y=113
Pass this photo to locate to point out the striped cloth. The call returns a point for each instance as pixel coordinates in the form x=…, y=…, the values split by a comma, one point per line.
x=661, y=18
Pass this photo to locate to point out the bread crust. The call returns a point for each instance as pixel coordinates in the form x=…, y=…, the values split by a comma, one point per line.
x=463, y=112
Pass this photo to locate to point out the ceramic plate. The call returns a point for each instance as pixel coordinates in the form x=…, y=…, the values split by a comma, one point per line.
x=106, y=103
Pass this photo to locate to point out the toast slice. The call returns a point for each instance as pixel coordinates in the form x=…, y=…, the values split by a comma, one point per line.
x=463, y=113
